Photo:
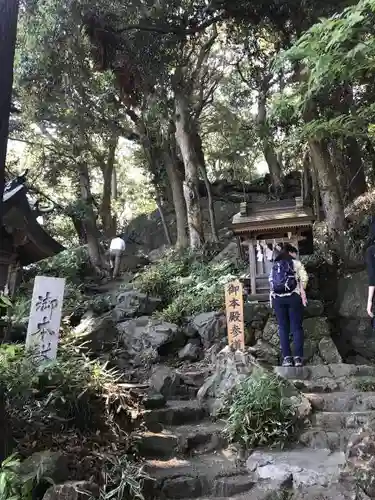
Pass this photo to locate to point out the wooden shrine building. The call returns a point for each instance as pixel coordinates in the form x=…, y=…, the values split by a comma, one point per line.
x=23, y=239
x=261, y=228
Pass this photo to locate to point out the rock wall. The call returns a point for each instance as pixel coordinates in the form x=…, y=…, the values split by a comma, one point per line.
x=263, y=338
x=356, y=339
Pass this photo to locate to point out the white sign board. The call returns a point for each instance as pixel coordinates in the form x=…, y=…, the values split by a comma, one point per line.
x=45, y=316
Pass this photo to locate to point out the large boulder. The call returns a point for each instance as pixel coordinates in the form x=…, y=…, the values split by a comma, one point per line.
x=191, y=352
x=132, y=303
x=356, y=335
x=165, y=381
x=229, y=254
x=99, y=333
x=143, y=334
x=231, y=368
x=211, y=327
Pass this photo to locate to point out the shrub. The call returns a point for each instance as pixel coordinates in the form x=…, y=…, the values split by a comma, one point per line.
x=72, y=264
x=187, y=284
x=13, y=484
x=258, y=413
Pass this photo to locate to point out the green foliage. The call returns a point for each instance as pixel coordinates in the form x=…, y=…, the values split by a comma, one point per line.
x=17, y=486
x=70, y=389
x=71, y=264
x=258, y=413
x=187, y=284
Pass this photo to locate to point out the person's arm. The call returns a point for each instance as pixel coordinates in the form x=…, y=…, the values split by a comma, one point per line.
x=302, y=276
x=303, y=279
x=370, y=262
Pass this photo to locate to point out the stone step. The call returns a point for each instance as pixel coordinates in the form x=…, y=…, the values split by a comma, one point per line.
x=317, y=372
x=317, y=438
x=336, y=421
x=342, y=401
x=208, y=475
x=177, y=413
x=181, y=440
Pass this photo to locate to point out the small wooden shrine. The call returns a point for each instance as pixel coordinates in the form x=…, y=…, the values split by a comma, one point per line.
x=261, y=229
x=24, y=241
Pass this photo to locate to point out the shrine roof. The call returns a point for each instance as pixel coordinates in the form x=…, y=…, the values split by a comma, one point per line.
x=282, y=214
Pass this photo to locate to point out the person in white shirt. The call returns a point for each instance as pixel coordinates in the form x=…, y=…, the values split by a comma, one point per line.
x=116, y=250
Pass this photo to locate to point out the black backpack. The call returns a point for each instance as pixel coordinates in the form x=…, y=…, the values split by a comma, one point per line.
x=283, y=277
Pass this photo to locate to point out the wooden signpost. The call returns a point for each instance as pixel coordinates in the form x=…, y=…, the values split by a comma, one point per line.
x=234, y=310
x=45, y=316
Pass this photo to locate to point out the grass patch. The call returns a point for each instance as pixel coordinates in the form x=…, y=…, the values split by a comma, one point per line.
x=258, y=412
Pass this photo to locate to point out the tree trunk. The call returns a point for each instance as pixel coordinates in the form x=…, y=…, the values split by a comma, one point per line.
x=163, y=221
x=80, y=229
x=89, y=221
x=329, y=190
x=8, y=31
x=267, y=144
x=186, y=142
x=109, y=227
x=176, y=183
x=356, y=173
x=210, y=200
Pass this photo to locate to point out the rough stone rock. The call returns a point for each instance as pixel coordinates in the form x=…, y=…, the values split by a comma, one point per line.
x=231, y=368
x=190, y=352
x=211, y=327
x=53, y=464
x=356, y=334
x=72, y=491
x=265, y=353
x=229, y=254
x=153, y=400
x=132, y=262
x=165, y=381
x=132, y=303
x=328, y=351
x=98, y=332
x=360, y=458
x=318, y=346
x=158, y=253
x=314, y=309
x=143, y=333
x=307, y=468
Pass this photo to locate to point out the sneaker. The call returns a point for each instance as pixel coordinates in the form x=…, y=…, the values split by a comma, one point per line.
x=287, y=362
x=298, y=362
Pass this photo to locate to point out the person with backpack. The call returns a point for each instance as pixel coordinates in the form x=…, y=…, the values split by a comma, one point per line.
x=288, y=281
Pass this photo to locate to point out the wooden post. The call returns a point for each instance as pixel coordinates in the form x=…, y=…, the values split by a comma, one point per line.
x=253, y=267
x=8, y=31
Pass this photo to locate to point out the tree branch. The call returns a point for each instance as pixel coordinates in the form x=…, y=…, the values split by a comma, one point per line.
x=176, y=30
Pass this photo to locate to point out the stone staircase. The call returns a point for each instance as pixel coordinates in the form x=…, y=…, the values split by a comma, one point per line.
x=187, y=455
x=340, y=400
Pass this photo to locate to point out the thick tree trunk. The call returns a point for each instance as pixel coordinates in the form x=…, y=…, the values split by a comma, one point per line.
x=186, y=142
x=109, y=227
x=210, y=200
x=89, y=221
x=356, y=173
x=267, y=144
x=329, y=190
x=176, y=183
x=8, y=31
x=80, y=229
